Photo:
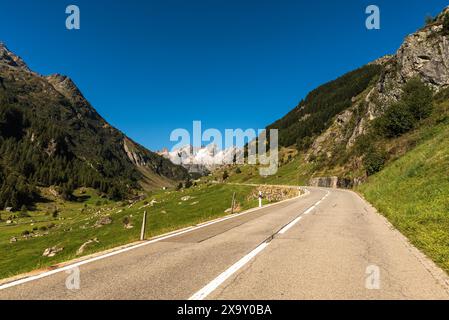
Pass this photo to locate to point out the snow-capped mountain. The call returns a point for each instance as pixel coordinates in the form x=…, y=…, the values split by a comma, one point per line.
x=204, y=159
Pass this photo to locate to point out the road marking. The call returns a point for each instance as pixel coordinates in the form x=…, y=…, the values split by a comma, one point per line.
x=290, y=225
x=203, y=293
x=317, y=204
x=133, y=247
x=214, y=284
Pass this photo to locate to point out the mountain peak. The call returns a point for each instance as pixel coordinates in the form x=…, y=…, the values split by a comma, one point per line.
x=10, y=59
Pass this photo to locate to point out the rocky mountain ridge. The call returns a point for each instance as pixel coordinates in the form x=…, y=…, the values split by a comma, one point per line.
x=62, y=140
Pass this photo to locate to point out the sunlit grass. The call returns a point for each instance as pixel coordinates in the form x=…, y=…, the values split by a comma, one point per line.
x=413, y=193
x=75, y=223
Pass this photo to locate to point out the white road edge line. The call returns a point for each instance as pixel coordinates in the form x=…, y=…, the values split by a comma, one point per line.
x=133, y=247
x=214, y=284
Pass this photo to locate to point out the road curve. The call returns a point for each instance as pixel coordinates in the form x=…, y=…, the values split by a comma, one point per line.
x=329, y=244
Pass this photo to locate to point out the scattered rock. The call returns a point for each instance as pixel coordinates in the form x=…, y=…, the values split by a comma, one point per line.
x=53, y=192
x=103, y=221
x=186, y=198
x=12, y=240
x=27, y=235
x=83, y=247
x=51, y=252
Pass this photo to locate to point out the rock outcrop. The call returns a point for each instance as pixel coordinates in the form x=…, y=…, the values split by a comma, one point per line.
x=423, y=54
x=10, y=59
x=331, y=182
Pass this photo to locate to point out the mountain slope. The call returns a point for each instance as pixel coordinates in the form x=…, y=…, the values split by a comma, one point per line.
x=51, y=135
x=412, y=192
x=336, y=128
x=316, y=112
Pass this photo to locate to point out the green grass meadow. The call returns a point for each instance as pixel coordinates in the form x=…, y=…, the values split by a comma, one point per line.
x=75, y=224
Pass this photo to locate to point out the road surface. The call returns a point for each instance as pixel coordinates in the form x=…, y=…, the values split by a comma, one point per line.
x=328, y=244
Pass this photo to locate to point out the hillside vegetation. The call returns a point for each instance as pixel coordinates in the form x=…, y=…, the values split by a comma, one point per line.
x=316, y=113
x=51, y=136
x=413, y=191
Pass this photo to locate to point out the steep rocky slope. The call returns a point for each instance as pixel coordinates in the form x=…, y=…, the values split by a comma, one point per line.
x=347, y=109
x=51, y=135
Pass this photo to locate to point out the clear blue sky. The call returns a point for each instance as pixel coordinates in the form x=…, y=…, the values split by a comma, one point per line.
x=150, y=67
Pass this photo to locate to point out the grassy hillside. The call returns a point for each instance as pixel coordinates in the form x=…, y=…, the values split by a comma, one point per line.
x=69, y=225
x=413, y=191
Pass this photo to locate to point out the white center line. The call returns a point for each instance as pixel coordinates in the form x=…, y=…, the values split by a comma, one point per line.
x=203, y=293
x=214, y=284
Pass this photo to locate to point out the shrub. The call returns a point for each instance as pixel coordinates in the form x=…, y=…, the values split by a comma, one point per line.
x=188, y=184
x=396, y=121
x=23, y=212
x=238, y=171
x=374, y=161
x=126, y=221
x=429, y=19
x=23, y=215
x=225, y=175
x=304, y=143
x=416, y=104
x=418, y=98
x=67, y=192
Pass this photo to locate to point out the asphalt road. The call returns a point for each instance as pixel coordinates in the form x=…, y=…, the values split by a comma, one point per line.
x=329, y=244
